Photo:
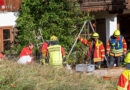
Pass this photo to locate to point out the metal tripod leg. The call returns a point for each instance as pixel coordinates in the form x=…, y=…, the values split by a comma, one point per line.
x=107, y=61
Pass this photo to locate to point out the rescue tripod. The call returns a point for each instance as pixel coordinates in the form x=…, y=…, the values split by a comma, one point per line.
x=88, y=23
x=38, y=36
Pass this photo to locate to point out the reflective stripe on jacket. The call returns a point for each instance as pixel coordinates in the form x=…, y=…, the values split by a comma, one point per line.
x=99, y=51
x=124, y=81
x=116, y=46
x=55, y=55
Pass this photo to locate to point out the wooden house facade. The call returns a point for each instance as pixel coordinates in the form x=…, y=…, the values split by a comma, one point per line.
x=8, y=15
x=109, y=16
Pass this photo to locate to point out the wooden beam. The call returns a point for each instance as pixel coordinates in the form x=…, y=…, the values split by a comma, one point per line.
x=11, y=5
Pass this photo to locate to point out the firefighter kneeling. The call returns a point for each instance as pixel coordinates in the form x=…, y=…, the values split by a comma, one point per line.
x=96, y=51
x=56, y=55
x=124, y=80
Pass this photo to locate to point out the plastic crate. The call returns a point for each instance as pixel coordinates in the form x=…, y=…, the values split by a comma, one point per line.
x=85, y=67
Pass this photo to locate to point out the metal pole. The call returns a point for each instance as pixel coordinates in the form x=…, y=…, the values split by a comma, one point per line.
x=91, y=26
x=106, y=61
x=41, y=34
x=88, y=31
x=77, y=37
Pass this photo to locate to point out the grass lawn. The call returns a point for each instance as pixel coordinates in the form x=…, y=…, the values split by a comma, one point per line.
x=38, y=77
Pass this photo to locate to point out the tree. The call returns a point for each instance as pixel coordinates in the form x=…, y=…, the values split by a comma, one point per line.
x=62, y=18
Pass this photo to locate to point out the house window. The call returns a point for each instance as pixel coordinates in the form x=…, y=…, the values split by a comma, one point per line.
x=6, y=38
x=6, y=34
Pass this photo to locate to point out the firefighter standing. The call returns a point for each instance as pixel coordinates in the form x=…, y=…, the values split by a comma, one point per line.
x=55, y=52
x=124, y=80
x=116, y=48
x=96, y=51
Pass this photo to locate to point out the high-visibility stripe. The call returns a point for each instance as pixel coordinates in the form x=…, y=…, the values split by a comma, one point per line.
x=102, y=50
x=116, y=55
x=103, y=55
x=116, y=51
x=81, y=39
x=120, y=88
x=85, y=42
x=97, y=59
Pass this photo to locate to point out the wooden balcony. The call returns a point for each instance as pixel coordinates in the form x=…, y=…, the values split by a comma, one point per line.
x=11, y=5
x=103, y=5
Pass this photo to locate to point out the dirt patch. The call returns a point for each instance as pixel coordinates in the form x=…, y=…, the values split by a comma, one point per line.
x=113, y=73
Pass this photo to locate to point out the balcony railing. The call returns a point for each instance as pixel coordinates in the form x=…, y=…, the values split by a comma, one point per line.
x=10, y=5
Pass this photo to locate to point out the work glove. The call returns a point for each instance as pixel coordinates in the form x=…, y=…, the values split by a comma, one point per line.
x=79, y=38
x=102, y=60
x=107, y=53
x=124, y=54
x=43, y=61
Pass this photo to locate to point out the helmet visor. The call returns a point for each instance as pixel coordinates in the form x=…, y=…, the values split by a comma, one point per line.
x=116, y=36
x=95, y=37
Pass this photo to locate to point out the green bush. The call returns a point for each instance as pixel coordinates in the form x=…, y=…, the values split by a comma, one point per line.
x=62, y=18
x=53, y=17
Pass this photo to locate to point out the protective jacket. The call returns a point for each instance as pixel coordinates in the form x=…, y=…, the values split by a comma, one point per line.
x=55, y=55
x=25, y=52
x=124, y=81
x=99, y=51
x=116, y=46
x=44, y=50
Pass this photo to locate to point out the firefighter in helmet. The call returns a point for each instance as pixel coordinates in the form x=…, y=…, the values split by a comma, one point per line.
x=124, y=80
x=96, y=51
x=44, y=52
x=116, y=48
x=56, y=54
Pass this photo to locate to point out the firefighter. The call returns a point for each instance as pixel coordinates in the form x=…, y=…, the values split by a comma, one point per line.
x=44, y=52
x=124, y=80
x=96, y=51
x=55, y=53
x=25, y=55
x=116, y=48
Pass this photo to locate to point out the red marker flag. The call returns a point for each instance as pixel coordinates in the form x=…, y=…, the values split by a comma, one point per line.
x=1, y=3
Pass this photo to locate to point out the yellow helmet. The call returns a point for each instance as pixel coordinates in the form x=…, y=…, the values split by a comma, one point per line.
x=127, y=58
x=53, y=38
x=116, y=33
x=95, y=35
